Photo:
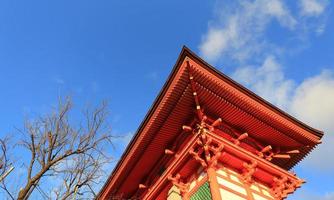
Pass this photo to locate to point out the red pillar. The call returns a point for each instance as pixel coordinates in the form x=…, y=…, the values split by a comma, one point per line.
x=214, y=186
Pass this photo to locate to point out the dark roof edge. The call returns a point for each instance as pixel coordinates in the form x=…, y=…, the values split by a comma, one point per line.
x=187, y=52
x=252, y=94
x=184, y=52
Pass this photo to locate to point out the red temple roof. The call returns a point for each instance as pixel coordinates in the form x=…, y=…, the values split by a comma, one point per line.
x=219, y=96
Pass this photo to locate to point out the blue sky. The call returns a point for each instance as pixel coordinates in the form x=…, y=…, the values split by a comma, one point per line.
x=123, y=51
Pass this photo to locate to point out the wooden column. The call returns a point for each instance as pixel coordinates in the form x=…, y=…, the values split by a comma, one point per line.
x=214, y=187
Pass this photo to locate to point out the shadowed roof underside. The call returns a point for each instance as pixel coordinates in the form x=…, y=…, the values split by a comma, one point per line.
x=219, y=96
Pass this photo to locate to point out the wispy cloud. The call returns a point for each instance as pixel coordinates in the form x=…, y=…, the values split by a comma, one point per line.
x=239, y=33
x=268, y=80
x=94, y=86
x=311, y=101
x=122, y=140
x=59, y=81
x=311, y=196
x=312, y=7
x=239, y=30
x=154, y=76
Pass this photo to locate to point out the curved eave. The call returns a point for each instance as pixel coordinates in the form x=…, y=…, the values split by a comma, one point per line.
x=188, y=53
x=256, y=97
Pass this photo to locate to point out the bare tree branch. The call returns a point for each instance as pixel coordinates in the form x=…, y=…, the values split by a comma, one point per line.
x=4, y=165
x=73, y=152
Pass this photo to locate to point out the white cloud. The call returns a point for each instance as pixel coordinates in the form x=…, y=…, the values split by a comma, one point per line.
x=94, y=86
x=310, y=196
x=59, y=81
x=313, y=103
x=240, y=30
x=218, y=40
x=312, y=7
x=154, y=76
x=122, y=140
x=268, y=81
x=277, y=8
x=320, y=29
x=329, y=196
x=240, y=34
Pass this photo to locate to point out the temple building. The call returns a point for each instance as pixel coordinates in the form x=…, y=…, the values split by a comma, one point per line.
x=208, y=137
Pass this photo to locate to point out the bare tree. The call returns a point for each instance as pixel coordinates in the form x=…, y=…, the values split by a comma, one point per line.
x=66, y=150
x=5, y=165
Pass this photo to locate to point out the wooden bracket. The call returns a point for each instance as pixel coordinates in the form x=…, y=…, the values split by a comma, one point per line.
x=240, y=138
x=284, y=186
x=207, y=152
x=142, y=186
x=248, y=171
x=176, y=180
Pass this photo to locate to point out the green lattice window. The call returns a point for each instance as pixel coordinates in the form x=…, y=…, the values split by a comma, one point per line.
x=203, y=193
